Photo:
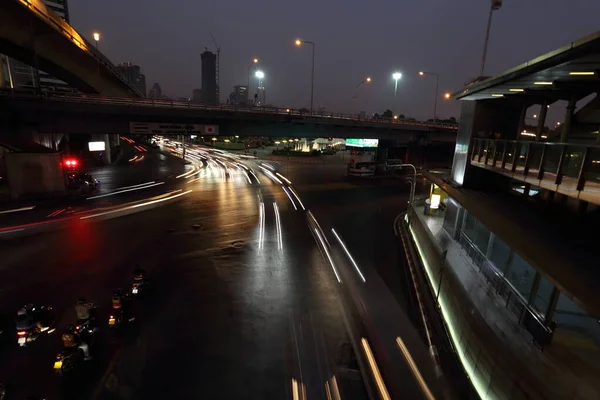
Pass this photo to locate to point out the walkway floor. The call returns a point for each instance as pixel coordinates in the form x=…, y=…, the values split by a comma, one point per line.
x=568, y=186
x=568, y=367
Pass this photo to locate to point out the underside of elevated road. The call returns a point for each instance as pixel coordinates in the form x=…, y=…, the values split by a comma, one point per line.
x=22, y=115
x=29, y=32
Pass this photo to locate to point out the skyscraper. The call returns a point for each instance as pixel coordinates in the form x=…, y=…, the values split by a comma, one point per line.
x=132, y=74
x=20, y=75
x=155, y=92
x=209, y=77
x=239, y=95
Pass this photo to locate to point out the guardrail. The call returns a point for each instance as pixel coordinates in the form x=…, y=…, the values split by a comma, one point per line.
x=163, y=103
x=60, y=25
x=567, y=168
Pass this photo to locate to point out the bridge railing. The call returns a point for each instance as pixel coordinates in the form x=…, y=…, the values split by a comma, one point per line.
x=52, y=19
x=275, y=111
x=568, y=168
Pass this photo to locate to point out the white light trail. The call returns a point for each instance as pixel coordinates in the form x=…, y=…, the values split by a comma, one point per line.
x=136, y=205
x=290, y=197
x=124, y=191
x=261, y=225
x=270, y=175
x=255, y=177
x=328, y=255
x=248, y=177
x=17, y=210
x=349, y=255
x=298, y=197
x=283, y=177
x=278, y=227
x=272, y=168
x=189, y=173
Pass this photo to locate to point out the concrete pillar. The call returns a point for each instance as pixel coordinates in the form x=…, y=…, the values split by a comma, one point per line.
x=522, y=116
x=106, y=154
x=566, y=126
x=541, y=121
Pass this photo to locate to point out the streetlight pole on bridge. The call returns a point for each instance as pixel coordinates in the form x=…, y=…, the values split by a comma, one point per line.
x=299, y=42
x=495, y=5
x=437, y=85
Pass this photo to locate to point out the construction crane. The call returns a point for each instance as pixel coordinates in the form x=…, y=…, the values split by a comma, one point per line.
x=217, y=67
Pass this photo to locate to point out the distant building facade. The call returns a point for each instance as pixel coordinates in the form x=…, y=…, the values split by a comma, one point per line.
x=155, y=92
x=239, y=95
x=209, y=77
x=133, y=74
x=18, y=75
x=197, y=95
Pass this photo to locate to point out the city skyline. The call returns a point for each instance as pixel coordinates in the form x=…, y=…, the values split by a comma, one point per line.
x=437, y=37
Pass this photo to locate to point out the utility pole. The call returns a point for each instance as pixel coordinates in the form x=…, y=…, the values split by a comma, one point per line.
x=495, y=5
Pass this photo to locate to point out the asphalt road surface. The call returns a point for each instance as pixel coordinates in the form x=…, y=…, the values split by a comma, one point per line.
x=243, y=302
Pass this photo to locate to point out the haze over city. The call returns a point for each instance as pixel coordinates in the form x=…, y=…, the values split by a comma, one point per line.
x=353, y=40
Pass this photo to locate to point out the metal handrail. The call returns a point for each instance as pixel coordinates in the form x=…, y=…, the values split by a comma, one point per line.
x=99, y=99
x=514, y=291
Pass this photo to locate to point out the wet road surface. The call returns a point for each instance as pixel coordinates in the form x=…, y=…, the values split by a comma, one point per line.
x=243, y=301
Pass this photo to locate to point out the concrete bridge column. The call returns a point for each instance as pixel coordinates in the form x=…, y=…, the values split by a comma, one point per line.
x=541, y=121
x=566, y=126
x=104, y=137
x=521, y=127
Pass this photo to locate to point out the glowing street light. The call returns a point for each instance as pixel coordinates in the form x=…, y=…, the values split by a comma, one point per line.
x=96, y=38
x=437, y=84
x=299, y=43
x=259, y=74
x=396, y=76
x=447, y=95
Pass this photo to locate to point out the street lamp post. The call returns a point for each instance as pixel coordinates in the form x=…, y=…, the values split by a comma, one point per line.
x=396, y=76
x=312, y=74
x=494, y=5
x=254, y=61
x=366, y=80
x=437, y=84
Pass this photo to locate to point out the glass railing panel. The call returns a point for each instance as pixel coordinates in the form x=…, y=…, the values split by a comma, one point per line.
x=551, y=161
x=499, y=150
x=510, y=151
x=535, y=157
x=571, y=167
x=592, y=173
x=522, y=156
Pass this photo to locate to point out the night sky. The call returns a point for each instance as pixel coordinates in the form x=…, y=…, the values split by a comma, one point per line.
x=354, y=39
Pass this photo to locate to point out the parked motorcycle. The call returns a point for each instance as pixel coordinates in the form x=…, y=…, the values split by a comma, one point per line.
x=68, y=361
x=33, y=322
